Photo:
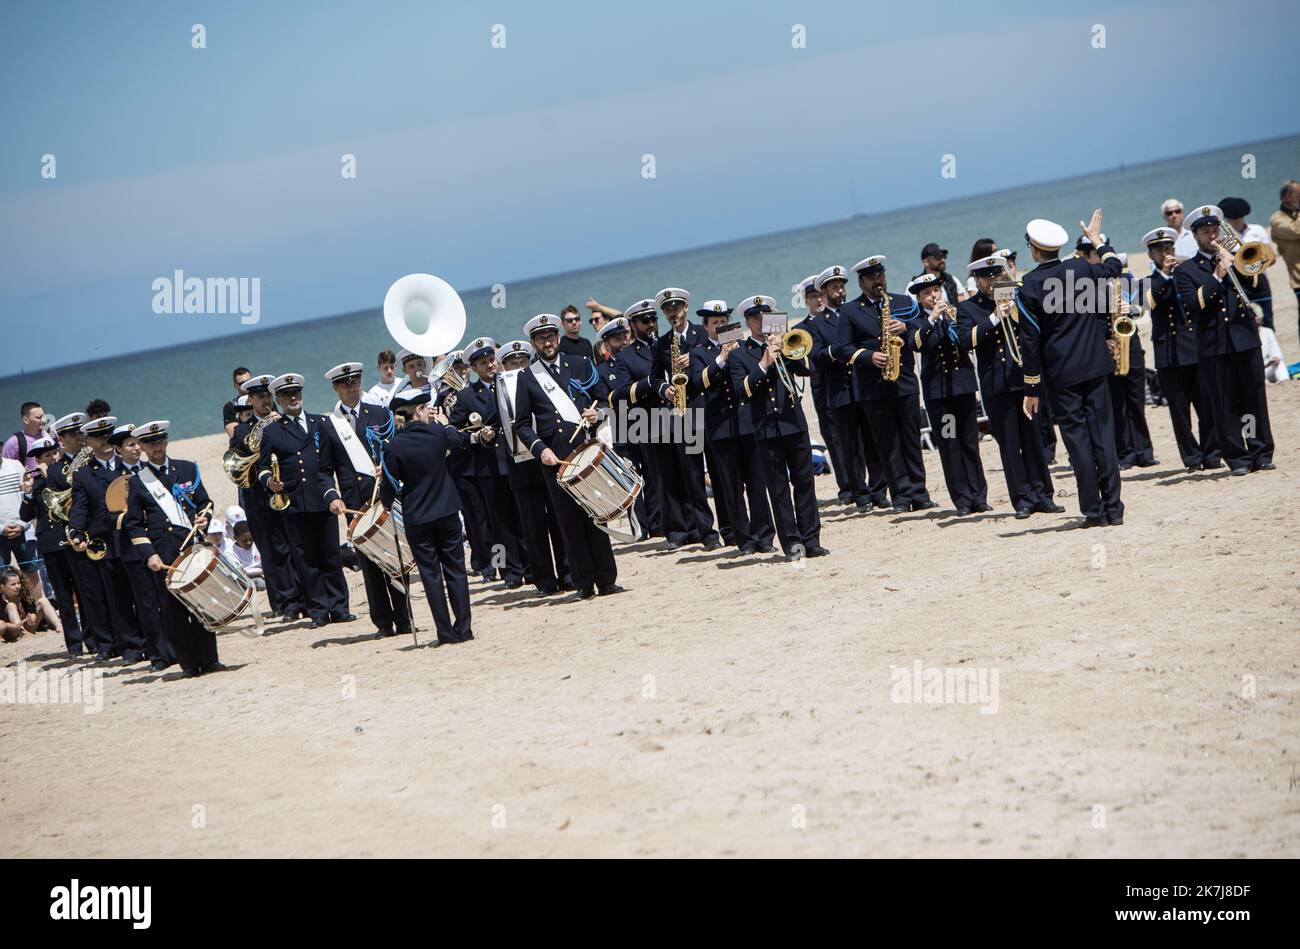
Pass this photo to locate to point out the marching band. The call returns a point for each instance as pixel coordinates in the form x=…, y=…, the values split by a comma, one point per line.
x=545, y=457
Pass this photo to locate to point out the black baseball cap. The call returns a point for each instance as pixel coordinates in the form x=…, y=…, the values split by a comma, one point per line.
x=933, y=250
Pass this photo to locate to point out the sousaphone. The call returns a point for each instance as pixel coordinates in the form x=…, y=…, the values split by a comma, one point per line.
x=424, y=314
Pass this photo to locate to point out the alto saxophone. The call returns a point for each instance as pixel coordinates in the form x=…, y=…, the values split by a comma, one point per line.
x=890, y=344
x=1122, y=328
x=678, y=379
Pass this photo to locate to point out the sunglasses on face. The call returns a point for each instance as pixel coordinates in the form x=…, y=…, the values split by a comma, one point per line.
x=1173, y=211
x=571, y=319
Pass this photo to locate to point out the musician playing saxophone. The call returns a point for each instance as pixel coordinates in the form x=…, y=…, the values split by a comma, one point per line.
x=283, y=589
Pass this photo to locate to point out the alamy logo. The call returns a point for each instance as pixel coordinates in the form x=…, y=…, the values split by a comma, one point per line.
x=181, y=294
x=103, y=902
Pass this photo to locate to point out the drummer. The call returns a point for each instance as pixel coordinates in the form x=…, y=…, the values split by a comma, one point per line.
x=143, y=589
x=415, y=471
x=361, y=427
x=166, y=502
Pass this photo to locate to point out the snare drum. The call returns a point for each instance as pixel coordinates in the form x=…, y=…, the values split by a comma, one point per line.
x=603, y=484
x=374, y=534
x=211, y=587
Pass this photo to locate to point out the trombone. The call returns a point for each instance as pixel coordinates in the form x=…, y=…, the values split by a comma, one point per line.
x=1249, y=260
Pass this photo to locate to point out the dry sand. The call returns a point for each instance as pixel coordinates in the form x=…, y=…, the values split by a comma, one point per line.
x=1146, y=705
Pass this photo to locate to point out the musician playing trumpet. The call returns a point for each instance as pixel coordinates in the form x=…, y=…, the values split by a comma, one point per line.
x=948, y=381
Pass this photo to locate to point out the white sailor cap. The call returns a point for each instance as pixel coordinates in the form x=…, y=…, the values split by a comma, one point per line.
x=242, y=402
x=1159, y=235
x=669, y=294
x=99, y=426
x=921, y=281
x=615, y=326
x=343, y=372
x=810, y=283
x=289, y=381
x=40, y=445
x=1084, y=244
x=835, y=272
x=409, y=398
x=989, y=266
x=457, y=356
x=1205, y=214
x=483, y=346
x=868, y=264
x=152, y=431
x=1045, y=234
x=120, y=434
x=515, y=347
x=404, y=354
x=71, y=422
x=542, y=323
x=713, y=308
x=642, y=309
x=260, y=383
x=758, y=303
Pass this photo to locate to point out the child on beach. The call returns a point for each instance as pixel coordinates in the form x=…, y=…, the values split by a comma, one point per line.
x=24, y=613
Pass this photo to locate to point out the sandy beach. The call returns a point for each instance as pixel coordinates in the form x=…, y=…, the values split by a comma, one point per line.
x=1143, y=688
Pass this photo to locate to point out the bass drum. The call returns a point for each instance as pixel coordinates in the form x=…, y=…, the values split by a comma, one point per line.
x=605, y=486
x=211, y=587
x=374, y=533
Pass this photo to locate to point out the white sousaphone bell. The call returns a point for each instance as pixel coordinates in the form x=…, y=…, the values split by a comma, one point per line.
x=424, y=314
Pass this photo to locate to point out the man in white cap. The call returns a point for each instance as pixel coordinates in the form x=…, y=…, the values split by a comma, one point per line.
x=735, y=464
x=167, y=503
x=361, y=429
x=816, y=326
x=80, y=572
x=992, y=331
x=1230, y=353
x=283, y=589
x=51, y=541
x=91, y=526
x=304, y=449
x=684, y=471
x=1176, y=353
x=538, y=521
x=555, y=398
x=1064, y=336
x=780, y=429
x=890, y=409
x=488, y=471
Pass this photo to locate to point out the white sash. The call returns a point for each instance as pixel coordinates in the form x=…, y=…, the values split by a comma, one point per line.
x=507, y=392
x=559, y=398
x=163, y=495
x=361, y=461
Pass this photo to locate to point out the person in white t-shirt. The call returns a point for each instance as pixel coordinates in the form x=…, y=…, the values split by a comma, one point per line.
x=382, y=391
x=244, y=552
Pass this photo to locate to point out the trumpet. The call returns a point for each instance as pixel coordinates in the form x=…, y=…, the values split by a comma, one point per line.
x=279, y=501
x=1004, y=298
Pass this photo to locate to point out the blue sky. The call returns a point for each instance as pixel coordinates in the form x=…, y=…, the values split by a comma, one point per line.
x=489, y=165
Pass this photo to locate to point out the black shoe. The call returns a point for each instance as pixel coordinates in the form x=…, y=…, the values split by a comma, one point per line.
x=766, y=548
x=131, y=658
x=290, y=615
x=982, y=508
x=713, y=543
x=344, y=618
x=1192, y=469
x=1116, y=520
x=817, y=550
x=844, y=497
x=794, y=556
x=673, y=545
x=924, y=505
x=1093, y=522
x=1022, y=513
x=586, y=593
x=489, y=575
x=1125, y=467
x=158, y=665
x=865, y=507
x=215, y=667
x=514, y=583
x=749, y=547
x=963, y=511
x=1264, y=466
x=1240, y=472
x=547, y=591
x=384, y=633
x=191, y=674
x=1211, y=465
x=103, y=656
x=1148, y=462
x=318, y=623
x=901, y=508
x=1048, y=507
x=610, y=590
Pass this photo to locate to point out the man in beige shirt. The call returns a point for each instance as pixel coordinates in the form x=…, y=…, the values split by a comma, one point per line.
x=1284, y=227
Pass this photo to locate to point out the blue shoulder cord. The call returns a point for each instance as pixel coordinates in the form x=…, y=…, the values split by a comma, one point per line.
x=376, y=436
x=587, y=386
x=1023, y=312
x=183, y=494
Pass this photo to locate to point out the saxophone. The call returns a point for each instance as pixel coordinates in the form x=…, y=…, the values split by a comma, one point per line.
x=678, y=379
x=1122, y=328
x=59, y=503
x=890, y=344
